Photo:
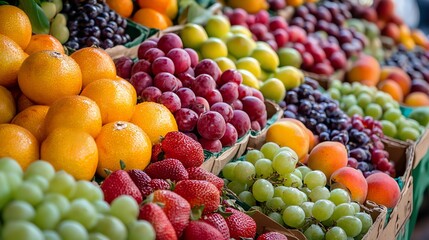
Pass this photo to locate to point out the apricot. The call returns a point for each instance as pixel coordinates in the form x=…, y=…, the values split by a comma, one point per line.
x=383, y=190
x=393, y=89
x=289, y=134
x=366, y=69
x=385, y=9
x=328, y=157
x=417, y=99
x=352, y=180
x=398, y=75
x=312, y=138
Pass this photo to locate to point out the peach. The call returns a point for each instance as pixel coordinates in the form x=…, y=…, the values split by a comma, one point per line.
x=383, y=190
x=328, y=157
x=385, y=9
x=312, y=138
x=366, y=69
x=419, y=37
x=392, y=88
x=391, y=30
x=398, y=75
x=352, y=180
x=417, y=99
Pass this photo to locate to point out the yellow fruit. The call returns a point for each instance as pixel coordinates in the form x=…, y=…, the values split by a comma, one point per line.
x=122, y=7
x=193, y=35
x=95, y=64
x=154, y=119
x=249, y=79
x=151, y=18
x=122, y=141
x=250, y=64
x=290, y=76
x=47, y=76
x=158, y=5
x=15, y=24
x=225, y=63
x=11, y=58
x=130, y=88
x=40, y=42
x=251, y=6
x=75, y=112
x=213, y=48
x=294, y=3
x=23, y=102
x=172, y=9
x=7, y=105
x=71, y=150
x=289, y=134
x=18, y=143
x=32, y=119
x=266, y=57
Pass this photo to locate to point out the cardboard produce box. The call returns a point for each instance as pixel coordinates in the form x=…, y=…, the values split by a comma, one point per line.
x=421, y=147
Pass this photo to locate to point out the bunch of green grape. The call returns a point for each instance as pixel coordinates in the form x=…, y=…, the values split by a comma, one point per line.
x=297, y=197
x=43, y=204
x=58, y=21
x=357, y=98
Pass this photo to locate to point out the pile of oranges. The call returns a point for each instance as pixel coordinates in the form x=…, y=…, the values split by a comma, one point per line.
x=72, y=111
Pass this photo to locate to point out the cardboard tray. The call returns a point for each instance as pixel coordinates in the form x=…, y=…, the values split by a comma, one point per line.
x=421, y=147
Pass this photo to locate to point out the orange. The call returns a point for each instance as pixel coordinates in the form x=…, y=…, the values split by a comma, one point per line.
x=155, y=120
x=15, y=24
x=172, y=9
x=294, y=3
x=158, y=5
x=122, y=7
x=40, y=42
x=130, y=88
x=151, y=18
x=250, y=6
x=11, y=58
x=18, y=143
x=115, y=100
x=47, y=76
x=71, y=150
x=32, y=119
x=95, y=64
x=23, y=102
x=7, y=105
x=122, y=141
x=76, y=112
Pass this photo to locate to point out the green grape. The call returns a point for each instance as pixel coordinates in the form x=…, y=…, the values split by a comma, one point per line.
x=353, y=110
x=125, y=208
x=289, y=150
x=61, y=202
x=297, y=173
x=9, y=165
x=254, y=155
x=344, y=209
x=347, y=101
x=339, y=196
x=112, y=228
x=60, y=32
x=40, y=181
x=263, y=168
x=101, y=206
x=303, y=196
x=336, y=233
x=29, y=192
x=244, y=171
x=389, y=128
x=314, y=232
x=318, y=193
x=381, y=97
x=269, y=149
x=97, y=236
x=346, y=88
x=351, y=225
x=62, y=183
x=47, y=216
x=247, y=198
x=87, y=190
x=336, y=84
x=49, y=8
x=293, y=216
x=408, y=133
x=291, y=180
x=21, y=230
x=228, y=171
x=40, y=168
x=307, y=207
x=292, y=196
x=364, y=99
x=314, y=179
x=387, y=106
x=374, y=110
x=51, y=235
x=5, y=191
x=356, y=206
x=82, y=211
x=71, y=230
x=284, y=163
x=306, y=191
x=237, y=187
x=59, y=6
x=356, y=87
x=334, y=93
x=276, y=204
x=328, y=223
x=141, y=230
x=278, y=191
x=18, y=210
x=276, y=217
x=323, y=209
x=262, y=190
x=14, y=180
x=366, y=221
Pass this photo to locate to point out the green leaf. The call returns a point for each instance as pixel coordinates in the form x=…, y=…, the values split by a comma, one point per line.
x=4, y=3
x=39, y=21
x=197, y=14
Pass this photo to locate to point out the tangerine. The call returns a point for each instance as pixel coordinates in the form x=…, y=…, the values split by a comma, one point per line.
x=7, y=105
x=122, y=7
x=15, y=24
x=32, y=119
x=23, y=102
x=151, y=18
x=40, y=42
x=11, y=58
x=159, y=5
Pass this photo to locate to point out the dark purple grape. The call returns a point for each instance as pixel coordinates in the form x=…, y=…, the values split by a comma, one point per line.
x=100, y=21
x=107, y=32
x=96, y=31
x=358, y=154
x=91, y=10
x=324, y=137
x=73, y=45
x=289, y=114
x=112, y=25
x=363, y=166
x=90, y=41
x=117, y=39
x=292, y=108
x=108, y=43
x=105, y=16
x=120, y=31
x=291, y=97
x=304, y=107
x=320, y=128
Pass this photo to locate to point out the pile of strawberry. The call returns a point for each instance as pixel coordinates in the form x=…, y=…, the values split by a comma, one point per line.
x=192, y=209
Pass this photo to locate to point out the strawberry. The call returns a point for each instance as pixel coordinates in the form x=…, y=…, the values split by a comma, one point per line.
x=201, y=230
x=153, y=185
x=154, y=214
x=169, y=168
x=217, y=221
x=197, y=173
x=179, y=146
x=240, y=224
x=272, y=236
x=176, y=208
x=120, y=183
x=141, y=179
x=199, y=193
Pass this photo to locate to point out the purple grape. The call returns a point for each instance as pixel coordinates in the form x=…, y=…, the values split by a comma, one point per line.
x=170, y=100
x=151, y=94
x=211, y=145
x=140, y=81
x=241, y=122
x=224, y=109
x=214, y=97
x=187, y=96
x=166, y=82
x=229, y=92
x=230, y=136
x=186, y=119
x=203, y=84
x=211, y=125
x=161, y=65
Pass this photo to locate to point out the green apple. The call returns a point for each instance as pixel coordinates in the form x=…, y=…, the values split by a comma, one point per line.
x=213, y=48
x=193, y=35
x=239, y=45
x=291, y=77
x=236, y=29
x=225, y=63
x=289, y=57
x=249, y=79
x=273, y=89
x=266, y=57
x=250, y=64
x=217, y=26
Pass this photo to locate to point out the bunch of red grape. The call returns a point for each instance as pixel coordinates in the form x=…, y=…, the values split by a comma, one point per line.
x=214, y=108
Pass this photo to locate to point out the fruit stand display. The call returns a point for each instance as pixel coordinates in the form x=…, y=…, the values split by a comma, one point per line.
x=195, y=119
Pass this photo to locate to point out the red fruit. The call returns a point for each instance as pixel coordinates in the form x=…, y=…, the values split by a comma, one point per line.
x=201, y=230
x=272, y=236
x=176, y=208
x=197, y=173
x=199, y=193
x=169, y=168
x=120, y=183
x=141, y=180
x=217, y=221
x=240, y=224
x=181, y=147
x=155, y=216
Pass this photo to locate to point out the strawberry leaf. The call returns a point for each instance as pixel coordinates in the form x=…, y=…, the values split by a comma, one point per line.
x=196, y=212
x=107, y=171
x=122, y=164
